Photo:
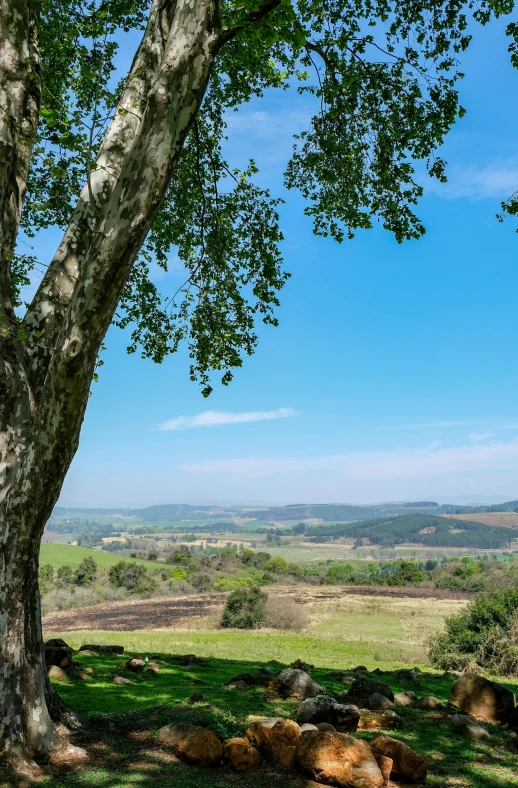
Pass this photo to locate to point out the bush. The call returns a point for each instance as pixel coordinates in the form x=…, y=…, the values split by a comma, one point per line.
x=245, y=609
x=178, y=574
x=86, y=572
x=201, y=582
x=285, y=613
x=46, y=578
x=485, y=633
x=128, y=575
x=65, y=576
x=278, y=565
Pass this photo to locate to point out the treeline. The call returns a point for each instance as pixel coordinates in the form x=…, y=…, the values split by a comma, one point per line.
x=428, y=530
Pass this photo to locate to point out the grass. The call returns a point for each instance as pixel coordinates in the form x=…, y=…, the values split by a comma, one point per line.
x=124, y=752
x=63, y=554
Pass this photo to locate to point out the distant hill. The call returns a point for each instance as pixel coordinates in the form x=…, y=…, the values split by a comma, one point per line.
x=423, y=529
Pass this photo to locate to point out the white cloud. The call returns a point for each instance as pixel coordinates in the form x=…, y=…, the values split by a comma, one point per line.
x=425, y=463
x=476, y=437
x=214, y=418
x=497, y=179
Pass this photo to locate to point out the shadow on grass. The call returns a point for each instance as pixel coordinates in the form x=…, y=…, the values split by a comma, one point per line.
x=124, y=751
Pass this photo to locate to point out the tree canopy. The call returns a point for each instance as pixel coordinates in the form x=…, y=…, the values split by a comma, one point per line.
x=382, y=77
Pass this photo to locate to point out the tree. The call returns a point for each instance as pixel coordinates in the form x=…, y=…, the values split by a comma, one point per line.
x=86, y=572
x=245, y=608
x=128, y=575
x=129, y=171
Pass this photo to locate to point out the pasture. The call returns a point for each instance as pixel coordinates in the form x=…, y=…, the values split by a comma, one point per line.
x=68, y=555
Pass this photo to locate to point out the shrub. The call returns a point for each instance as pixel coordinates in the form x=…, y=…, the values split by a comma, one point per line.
x=46, y=578
x=285, y=613
x=86, y=572
x=407, y=573
x=202, y=582
x=65, y=576
x=245, y=609
x=128, y=575
x=277, y=564
x=178, y=574
x=485, y=633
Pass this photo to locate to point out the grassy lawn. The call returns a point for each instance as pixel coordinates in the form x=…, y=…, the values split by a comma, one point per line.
x=124, y=752
x=64, y=554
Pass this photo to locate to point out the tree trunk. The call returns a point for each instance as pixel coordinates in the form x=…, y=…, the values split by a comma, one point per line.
x=43, y=395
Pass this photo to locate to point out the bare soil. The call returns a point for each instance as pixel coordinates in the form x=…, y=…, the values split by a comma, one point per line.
x=182, y=612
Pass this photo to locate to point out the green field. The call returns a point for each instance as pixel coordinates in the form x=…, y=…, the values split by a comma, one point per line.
x=124, y=752
x=68, y=555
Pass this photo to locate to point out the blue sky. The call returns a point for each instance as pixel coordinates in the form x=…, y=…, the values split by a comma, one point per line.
x=393, y=373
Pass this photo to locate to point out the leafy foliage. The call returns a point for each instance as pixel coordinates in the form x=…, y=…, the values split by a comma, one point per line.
x=86, y=572
x=245, y=609
x=485, y=633
x=381, y=81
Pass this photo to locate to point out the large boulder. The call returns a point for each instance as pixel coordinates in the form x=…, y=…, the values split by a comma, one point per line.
x=363, y=687
x=481, y=698
x=379, y=702
x=102, y=649
x=192, y=743
x=58, y=653
x=405, y=698
x=241, y=755
x=431, y=703
x=337, y=759
x=325, y=708
x=467, y=726
x=135, y=665
x=294, y=683
x=273, y=735
x=407, y=765
x=56, y=673
x=378, y=720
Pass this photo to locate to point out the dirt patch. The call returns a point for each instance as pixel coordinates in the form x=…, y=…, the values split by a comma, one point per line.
x=161, y=613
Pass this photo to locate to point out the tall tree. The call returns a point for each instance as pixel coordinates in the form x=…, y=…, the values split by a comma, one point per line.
x=130, y=170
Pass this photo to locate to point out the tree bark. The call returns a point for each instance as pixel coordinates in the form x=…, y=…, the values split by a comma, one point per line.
x=44, y=382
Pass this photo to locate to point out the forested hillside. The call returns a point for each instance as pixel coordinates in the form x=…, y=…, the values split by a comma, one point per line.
x=425, y=529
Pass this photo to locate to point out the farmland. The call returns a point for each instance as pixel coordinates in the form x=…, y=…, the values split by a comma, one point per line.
x=58, y=555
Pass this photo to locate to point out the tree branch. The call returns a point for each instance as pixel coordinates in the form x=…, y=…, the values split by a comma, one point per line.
x=254, y=16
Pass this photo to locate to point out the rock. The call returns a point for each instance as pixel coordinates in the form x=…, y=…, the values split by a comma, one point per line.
x=379, y=702
x=241, y=755
x=135, y=665
x=197, y=697
x=121, y=679
x=54, y=672
x=405, y=698
x=293, y=683
x=58, y=653
x=360, y=669
x=200, y=746
x=308, y=726
x=243, y=678
x=238, y=685
x=153, y=667
x=385, y=766
x=286, y=756
x=338, y=675
x=482, y=699
x=272, y=735
x=430, y=703
x=102, y=649
x=324, y=708
x=85, y=652
x=263, y=677
x=300, y=665
x=364, y=687
x=407, y=765
x=467, y=726
x=378, y=720
x=83, y=675
x=337, y=759
x=88, y=670
x=170, y=735
x=325, y=726
x=411, y=676
x=188, y=659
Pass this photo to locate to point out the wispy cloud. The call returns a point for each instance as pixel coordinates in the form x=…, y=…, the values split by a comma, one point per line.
x=425, y=463
x=497, y=179
x=476, y=437
x=214, y=418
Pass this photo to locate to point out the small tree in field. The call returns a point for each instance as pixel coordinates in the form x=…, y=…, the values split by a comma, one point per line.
x=245, y=609
x=129, y=170
x=86, y=572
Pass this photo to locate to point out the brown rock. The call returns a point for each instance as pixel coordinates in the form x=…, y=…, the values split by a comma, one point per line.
x=337, y=759
x=364, y=687
x=170, y=735
x=482, y=699
x=199, y=745
x=88, y=653
x=84, y=676
x=153, y=667
x=135, y=665
x=102, y=649
x=379, y=702
x=286, y=755
x=378, y=720
x=56, y=673
x=430, y=703
x=324, y=708
x=308, y=726
x=407, y=764
x=467, y=726
x=271, y=735
x=405, y=698
x=300, y=665
x=241, y=755
x=188, y=659
x=121, y=679
x=360, y=669
x=325, y=726
x=58, y=653
x=385, y=766
x=293, y=683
